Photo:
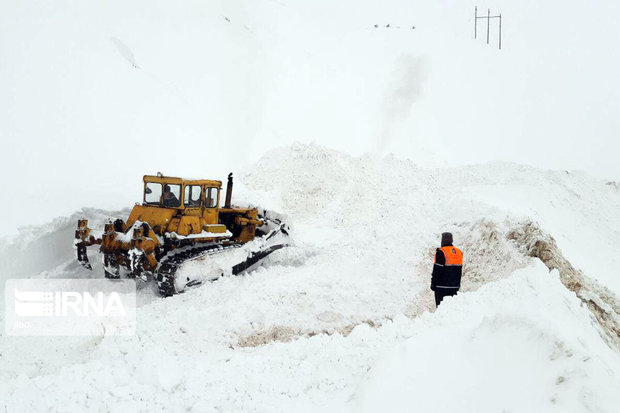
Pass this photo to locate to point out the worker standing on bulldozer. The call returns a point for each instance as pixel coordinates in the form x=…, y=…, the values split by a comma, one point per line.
x=447, y=269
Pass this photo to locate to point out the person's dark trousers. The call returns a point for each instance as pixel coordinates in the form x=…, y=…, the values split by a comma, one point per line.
x=441, y=293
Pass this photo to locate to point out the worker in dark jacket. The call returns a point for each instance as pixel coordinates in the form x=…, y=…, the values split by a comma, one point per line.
x=170, y=199
x=447, y=270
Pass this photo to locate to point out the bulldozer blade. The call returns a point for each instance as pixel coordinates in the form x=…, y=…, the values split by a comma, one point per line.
x=277, y=239
x=82, y=256
x=252, y=261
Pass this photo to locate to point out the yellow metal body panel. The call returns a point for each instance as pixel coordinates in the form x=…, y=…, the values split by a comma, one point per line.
x=244, y=218
x=185, y=225
x=186, y=222
x=215, y=228
x=210, y=216
x=157, y=217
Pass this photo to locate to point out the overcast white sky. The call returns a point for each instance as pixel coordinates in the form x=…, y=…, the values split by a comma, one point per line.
x=94, y=95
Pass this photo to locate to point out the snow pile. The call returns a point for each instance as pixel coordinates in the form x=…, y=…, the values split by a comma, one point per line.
x=348, y=306
x=509, y=346
x=486, y=207
x=603, y=303
x=512, y=346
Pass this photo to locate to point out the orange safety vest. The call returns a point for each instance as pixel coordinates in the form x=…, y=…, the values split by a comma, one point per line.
x=454, y=256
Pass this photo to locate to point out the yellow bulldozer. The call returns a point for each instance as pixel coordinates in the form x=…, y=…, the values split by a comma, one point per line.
x=181, y=220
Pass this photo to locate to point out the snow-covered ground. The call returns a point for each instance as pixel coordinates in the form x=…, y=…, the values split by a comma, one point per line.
x=97, y=94
x=344, y=320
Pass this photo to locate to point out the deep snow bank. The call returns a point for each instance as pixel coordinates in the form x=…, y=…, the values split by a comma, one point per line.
x=364, y=196
x=42, y=248
x=523, y=344
x=390, y=212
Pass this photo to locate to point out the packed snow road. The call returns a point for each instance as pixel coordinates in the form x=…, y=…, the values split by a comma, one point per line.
x=344, y=319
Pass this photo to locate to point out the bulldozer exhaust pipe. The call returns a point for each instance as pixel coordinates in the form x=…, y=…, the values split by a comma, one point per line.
x=229, y=187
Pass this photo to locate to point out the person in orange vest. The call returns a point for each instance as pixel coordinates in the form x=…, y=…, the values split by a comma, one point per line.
x=447, y=270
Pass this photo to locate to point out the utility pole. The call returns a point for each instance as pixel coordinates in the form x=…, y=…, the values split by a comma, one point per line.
x=488, y=17
x=500, y=31
x=488, y=20
x=476, y=22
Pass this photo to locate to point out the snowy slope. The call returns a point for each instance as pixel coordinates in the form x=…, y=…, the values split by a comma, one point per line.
x=511, y=346
x=96, y=94
x=345, y=317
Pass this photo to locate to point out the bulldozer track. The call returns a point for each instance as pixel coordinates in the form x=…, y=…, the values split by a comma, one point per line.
x=171, y=263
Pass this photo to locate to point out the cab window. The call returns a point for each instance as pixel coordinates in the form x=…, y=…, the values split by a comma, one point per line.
x=152, y=193
x=211, y=197
x=192, y=196
x=172, y=195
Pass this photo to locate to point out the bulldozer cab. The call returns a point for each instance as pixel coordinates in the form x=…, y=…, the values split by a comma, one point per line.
x=171, y=204
x=182, y=194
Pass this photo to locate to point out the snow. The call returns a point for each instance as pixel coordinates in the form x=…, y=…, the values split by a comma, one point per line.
x=125, y=51
x=203, y=234
x=343, y=320
x=488, y=330
x=281, y=70
x=95, y=95
x=511, y=346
